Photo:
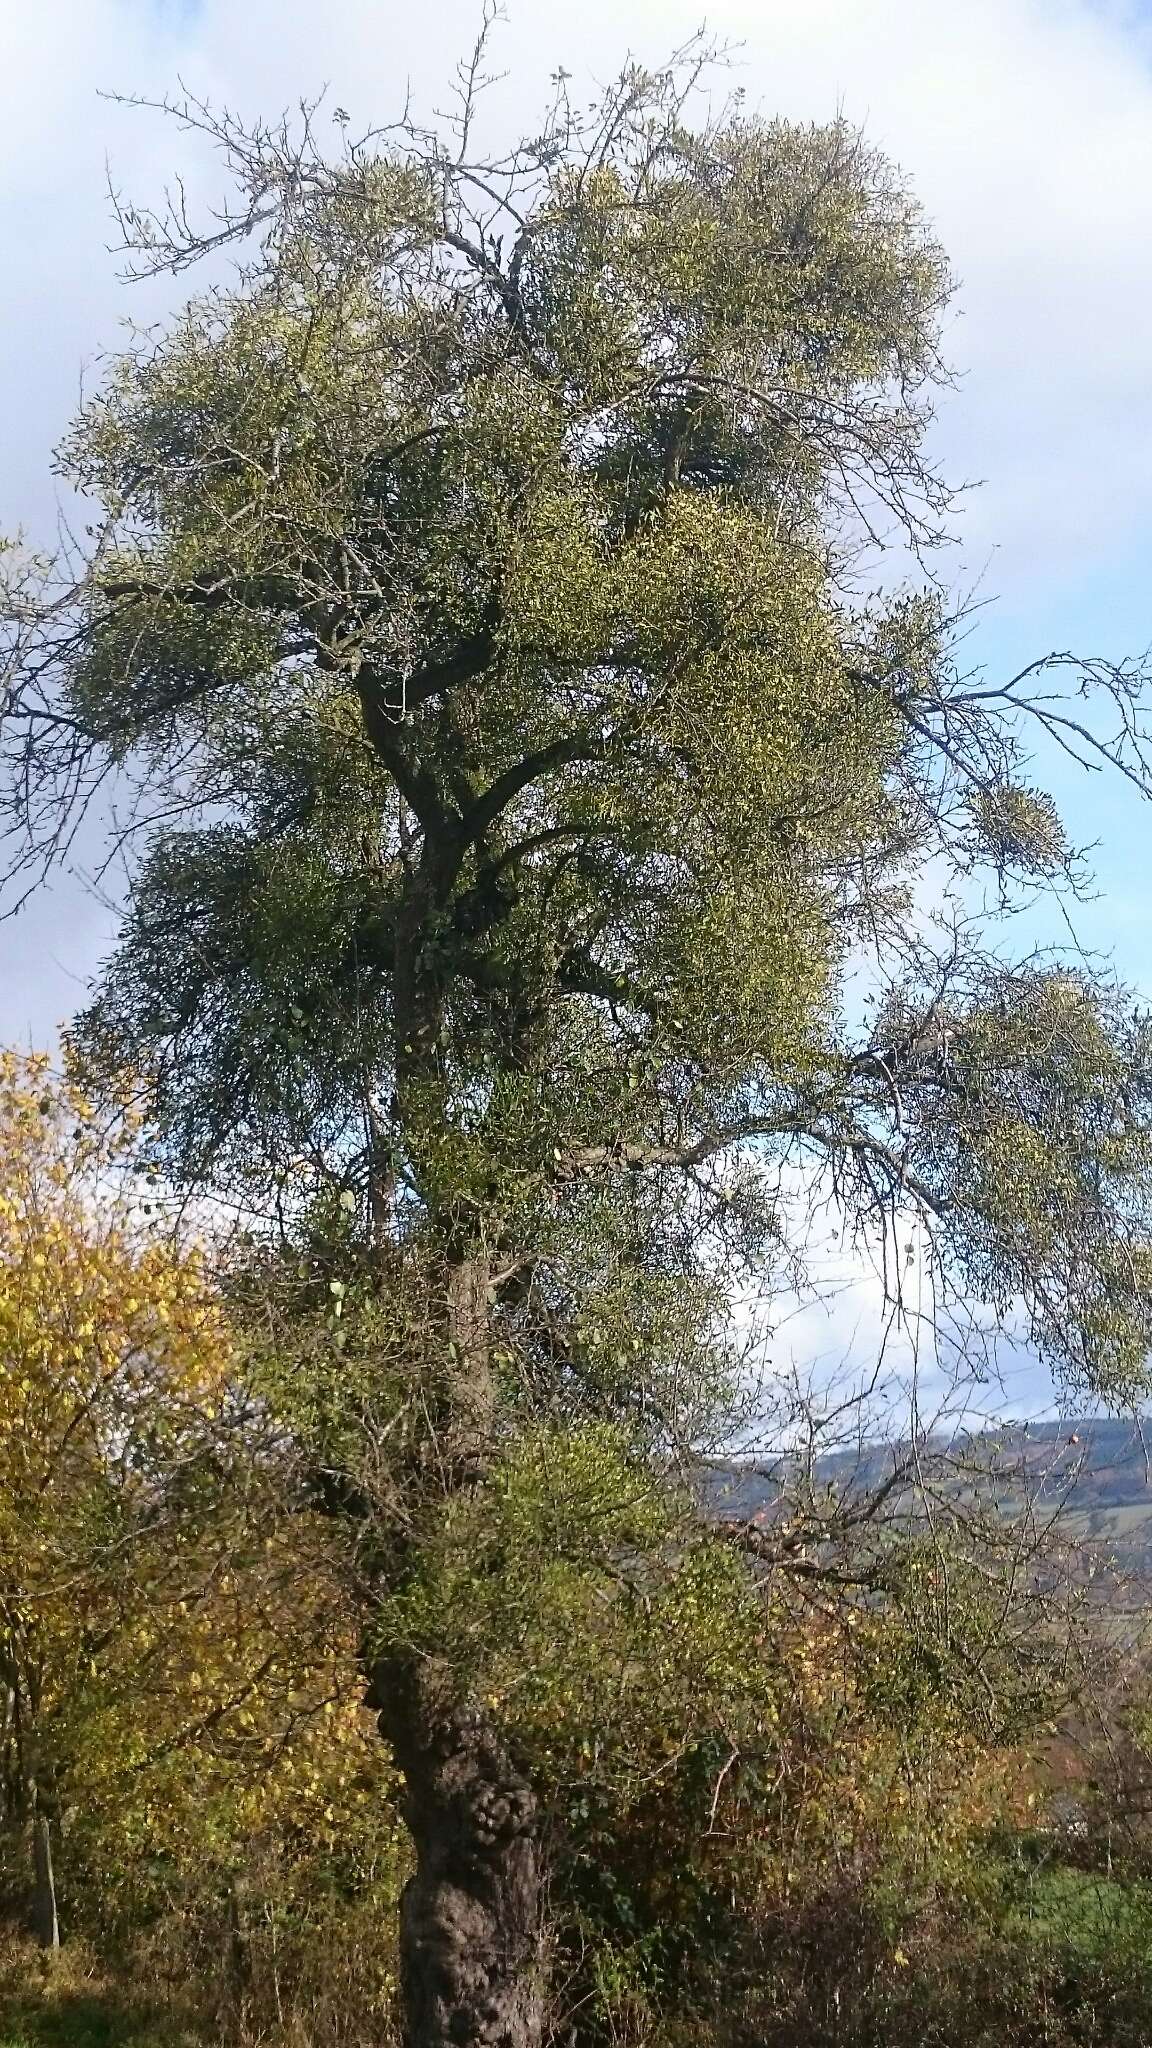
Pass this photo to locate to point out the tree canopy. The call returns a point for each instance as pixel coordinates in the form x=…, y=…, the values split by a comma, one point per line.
x=517, y=775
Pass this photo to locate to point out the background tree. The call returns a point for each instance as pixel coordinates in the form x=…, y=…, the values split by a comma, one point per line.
x=113, y=1353
x=173, y=1631
x=517, y=770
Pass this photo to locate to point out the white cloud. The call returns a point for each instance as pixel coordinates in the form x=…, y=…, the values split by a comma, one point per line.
x=1026, y=124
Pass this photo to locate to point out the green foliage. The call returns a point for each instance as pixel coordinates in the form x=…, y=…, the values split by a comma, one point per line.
x=521, y=780
x=538, y=772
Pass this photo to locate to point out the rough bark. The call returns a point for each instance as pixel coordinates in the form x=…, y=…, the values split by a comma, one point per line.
x=473, y=1389
x=471, y=1942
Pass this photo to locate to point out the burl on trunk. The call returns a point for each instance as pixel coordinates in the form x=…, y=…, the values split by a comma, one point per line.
x=471, y=1939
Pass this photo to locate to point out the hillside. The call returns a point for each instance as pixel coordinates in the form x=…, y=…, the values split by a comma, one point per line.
x=1095, y=1471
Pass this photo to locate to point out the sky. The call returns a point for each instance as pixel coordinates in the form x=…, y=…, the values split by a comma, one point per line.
x=1025, y=126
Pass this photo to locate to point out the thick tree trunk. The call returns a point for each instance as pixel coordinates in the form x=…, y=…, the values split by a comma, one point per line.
x=471, y=1937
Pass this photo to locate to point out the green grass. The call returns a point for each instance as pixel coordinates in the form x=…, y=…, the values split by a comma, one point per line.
x=74, y=2005
x=79, y=2020
x=1083, y=1913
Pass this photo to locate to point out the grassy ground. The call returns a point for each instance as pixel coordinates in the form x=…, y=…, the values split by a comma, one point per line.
x=72, y=2005
x=77, y=2020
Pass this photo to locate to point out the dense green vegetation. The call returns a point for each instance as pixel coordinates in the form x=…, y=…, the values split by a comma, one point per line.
x=515, y=788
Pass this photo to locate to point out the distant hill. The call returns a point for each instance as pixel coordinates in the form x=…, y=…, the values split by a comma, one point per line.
x=1097, y=1470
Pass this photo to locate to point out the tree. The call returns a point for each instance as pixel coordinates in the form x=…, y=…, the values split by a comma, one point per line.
x=113, y=1354
x=474, y=614
x=170, y=1616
